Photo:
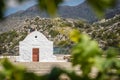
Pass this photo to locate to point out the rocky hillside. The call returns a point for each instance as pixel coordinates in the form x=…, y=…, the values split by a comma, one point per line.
x=106, y=32
x=56, y=29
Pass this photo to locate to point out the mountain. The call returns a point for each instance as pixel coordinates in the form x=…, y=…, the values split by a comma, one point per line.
x=114, y=11
x=81, y=11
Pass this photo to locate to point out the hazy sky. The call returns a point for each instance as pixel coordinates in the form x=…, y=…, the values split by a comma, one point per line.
x=72, y=2
x=14, y=7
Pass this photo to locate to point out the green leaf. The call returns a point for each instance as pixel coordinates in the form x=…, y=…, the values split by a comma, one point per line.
x=2, y=76
x=111, y=52
x=49, y=5
x=75, y=35
x=30, y=76
x=2, y=8
x=101, y=5
x=55, y=73
x=7, y=65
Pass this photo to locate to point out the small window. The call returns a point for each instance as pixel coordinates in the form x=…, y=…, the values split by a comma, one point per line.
x=35, y=36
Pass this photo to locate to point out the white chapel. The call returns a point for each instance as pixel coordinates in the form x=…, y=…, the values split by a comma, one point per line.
x=36, y=48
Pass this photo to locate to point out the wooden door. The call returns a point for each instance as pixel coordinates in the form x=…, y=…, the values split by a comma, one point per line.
x=35, y=55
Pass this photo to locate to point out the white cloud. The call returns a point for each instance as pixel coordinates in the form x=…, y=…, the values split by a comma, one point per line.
x=12, y=3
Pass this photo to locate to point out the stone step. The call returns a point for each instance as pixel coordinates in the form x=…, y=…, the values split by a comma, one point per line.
x=42, y=71
x=43, y=67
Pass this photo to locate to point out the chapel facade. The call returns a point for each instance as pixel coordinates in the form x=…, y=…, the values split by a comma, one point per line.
x=36, y=48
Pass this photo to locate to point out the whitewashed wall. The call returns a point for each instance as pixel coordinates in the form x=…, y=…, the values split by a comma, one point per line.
x=45, y=48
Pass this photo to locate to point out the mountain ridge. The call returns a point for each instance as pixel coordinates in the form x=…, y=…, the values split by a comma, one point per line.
x=81, y=11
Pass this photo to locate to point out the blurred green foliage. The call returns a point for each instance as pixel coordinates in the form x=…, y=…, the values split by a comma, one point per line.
x=86, y=55
x=49, y=5
x=101, y=5
x=2, y=8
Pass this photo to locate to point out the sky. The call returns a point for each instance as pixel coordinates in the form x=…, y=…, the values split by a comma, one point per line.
x=13, y=6
x=72, y=2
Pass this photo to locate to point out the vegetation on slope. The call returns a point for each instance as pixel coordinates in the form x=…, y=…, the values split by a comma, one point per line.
x=106, y=32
